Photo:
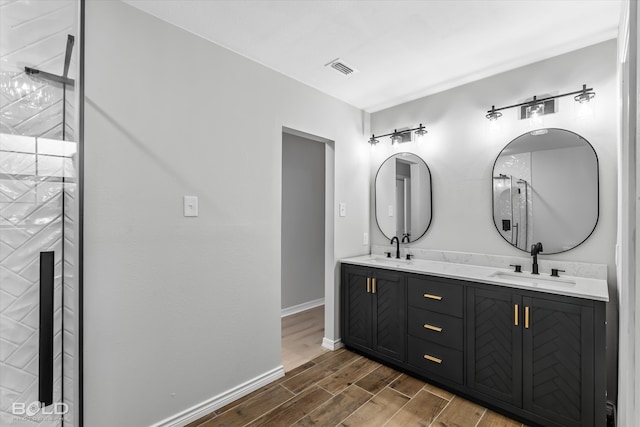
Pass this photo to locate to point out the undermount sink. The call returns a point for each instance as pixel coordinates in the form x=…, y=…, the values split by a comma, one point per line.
x=386, y=260
x=530, y=279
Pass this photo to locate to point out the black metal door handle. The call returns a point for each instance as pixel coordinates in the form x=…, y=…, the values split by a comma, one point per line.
x=45, y=352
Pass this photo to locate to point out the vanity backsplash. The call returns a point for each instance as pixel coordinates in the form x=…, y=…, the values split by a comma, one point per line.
x=571, y=268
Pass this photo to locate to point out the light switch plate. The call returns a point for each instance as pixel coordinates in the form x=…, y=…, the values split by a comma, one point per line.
x=365, y=238
x=343, y=209
x=190, y=205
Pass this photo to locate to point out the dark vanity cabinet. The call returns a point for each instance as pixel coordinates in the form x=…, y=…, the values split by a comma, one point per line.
x=537, y=352
x=494, y=344
x=374, y=312
x=436, y=328
x=559, y=360
x=535, y=356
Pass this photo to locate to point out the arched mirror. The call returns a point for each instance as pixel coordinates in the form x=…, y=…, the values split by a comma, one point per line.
x=546, y=189
x=403, y=197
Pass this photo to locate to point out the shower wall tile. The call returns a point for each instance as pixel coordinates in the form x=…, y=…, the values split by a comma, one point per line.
x=35, y=34
x=48, y=190
x=51, y=166
x=14, y=188
x=43, y=216
x=54, y=147
x=35, y=23
x=19, y=379
x=24, y=261
x=576, y=269
x=5, y=250
x=69, y=338
x=28, y=112
x=33, y=366
x=32, y=318
x=7, y=397
x=6, y=299
x=12, y=282
x=17, y=163
x=34, y=206
x=14, y=331
x=23, y=355
x=6, y=349
x=23, y=305
x=70, y=283
x=14, y=236
x=20, y=143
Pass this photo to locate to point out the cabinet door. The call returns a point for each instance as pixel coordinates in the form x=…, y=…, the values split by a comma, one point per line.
x=357, y=310
x=558, y=361
x=494, y=344
x=389, y=315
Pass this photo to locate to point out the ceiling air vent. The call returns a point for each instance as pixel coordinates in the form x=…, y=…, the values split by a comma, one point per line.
x=339, y=65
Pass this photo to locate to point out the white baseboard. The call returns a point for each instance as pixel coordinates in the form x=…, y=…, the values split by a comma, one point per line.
x=208, y=406
x=331, y=344
x=302, y=307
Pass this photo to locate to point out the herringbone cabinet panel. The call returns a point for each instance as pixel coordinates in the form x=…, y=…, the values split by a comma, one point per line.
x=358, y=309
x=556, y=361
x=389, y=315
x=494, y=357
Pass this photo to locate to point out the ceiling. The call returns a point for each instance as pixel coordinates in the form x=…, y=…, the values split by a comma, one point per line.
x=402, y=50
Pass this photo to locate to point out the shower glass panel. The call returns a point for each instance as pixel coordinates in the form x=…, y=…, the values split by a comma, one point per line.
x=37, y=193
x=513, y=208
x=39, y=314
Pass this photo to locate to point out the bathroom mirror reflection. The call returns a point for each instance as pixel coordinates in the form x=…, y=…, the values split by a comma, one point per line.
x=403, y=197
x=545, y=189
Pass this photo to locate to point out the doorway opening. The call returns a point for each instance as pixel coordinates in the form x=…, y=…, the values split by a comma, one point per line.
x=305, y=237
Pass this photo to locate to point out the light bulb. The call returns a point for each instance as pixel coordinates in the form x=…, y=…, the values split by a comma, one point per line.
x=535, y=113
x=583, y=111
x=494, y=126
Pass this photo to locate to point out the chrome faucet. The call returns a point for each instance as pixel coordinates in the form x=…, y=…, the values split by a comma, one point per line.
x=397, y=246
x=536, y=248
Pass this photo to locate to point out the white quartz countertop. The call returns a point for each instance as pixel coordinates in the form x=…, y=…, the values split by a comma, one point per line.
x=580, y=287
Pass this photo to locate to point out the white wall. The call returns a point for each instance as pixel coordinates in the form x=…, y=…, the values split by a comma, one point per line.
x=178, y=310
x=460, y=152
x=303, y=233
x=628, y=267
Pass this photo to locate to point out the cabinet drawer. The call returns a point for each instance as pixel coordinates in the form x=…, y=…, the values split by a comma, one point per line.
x=439, y=295
x=435, y=327
x=435, y=359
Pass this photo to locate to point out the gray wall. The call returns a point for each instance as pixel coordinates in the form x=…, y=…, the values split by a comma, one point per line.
x=561, y=207
x=179, y=310
x=302, y=220
x=460, y=151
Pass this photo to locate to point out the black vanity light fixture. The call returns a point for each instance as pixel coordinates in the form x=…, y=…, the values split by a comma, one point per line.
x=397, y=135
x=536, y=106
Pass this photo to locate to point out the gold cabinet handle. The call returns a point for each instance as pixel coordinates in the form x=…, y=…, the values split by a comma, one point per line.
x=368, y=284
x=433, y=328
x=436, y=297
x=373, y=285
x=433, y=359
x=516, y=312
x=526, y=317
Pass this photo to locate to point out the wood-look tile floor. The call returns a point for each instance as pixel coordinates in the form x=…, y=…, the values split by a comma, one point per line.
x=302, y=337
x=342, y=388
